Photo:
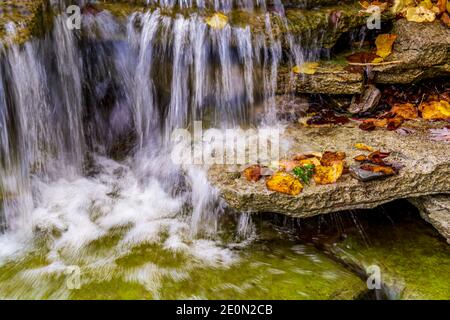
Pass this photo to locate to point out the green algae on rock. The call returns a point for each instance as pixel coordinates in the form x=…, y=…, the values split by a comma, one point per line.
x=414, y=260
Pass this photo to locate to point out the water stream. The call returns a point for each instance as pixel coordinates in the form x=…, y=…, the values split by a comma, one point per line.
x=93, y=207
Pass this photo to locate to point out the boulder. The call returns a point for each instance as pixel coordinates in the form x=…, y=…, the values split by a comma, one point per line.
x=426, y=168
x=435, y=210
x=422, y=50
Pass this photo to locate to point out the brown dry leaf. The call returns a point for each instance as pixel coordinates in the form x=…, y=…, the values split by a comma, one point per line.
x=252, y=173
x=371, y=124
x=364, y=147
x=284, y=182
x=329, y=158
x=328, y=174
x=435, y=110
x=306, y=68
x=406, y=111
x=442, y=5
x=384, y=43
x=445, y=18
x=394, y=123
x=362, y=57
x=376, y=168
x=306, y=155
x=217, y=21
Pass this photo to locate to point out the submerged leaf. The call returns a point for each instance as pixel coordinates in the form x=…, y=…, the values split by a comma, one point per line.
x=284, y=182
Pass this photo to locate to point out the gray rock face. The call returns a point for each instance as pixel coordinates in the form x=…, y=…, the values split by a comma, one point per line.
x=422, y=50
x=435, y=210
x=426, y=171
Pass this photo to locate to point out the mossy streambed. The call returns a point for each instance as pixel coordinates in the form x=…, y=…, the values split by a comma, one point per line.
x=320, y=258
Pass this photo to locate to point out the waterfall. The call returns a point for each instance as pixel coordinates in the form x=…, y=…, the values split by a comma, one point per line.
x=96, y=105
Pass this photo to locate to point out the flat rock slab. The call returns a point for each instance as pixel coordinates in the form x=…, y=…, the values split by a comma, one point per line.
x=435, y=210
x=426, y=171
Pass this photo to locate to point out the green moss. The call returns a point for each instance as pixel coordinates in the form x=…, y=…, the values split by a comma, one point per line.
x=414, y=260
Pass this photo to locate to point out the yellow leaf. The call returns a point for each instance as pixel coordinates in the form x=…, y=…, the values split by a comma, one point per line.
x=420, y=14
x=406, y=111
x=306, y=68
x=328, y=174
x=378, y=60
x=435, y=110
x=426, y=4
x=384, y=43
x=284, y=182
x=314, y=161
x=217, y=21
x=399, y=5
x=364, y=147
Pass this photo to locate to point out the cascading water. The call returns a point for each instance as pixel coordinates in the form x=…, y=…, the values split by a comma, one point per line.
x=73, y=101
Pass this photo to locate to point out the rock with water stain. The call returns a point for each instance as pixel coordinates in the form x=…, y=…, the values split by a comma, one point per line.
x=435, y=210
x=425, y=171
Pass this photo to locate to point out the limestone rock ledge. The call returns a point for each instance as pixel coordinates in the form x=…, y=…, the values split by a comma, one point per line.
x=426, y=171
x=422, y=50
x=435, y=210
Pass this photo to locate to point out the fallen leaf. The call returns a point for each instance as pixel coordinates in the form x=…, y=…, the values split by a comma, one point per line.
x=364, y=147
x=435, y=110
x=310, y=161
x=384, y=43
x=217, y=21
x=329, y=158
x=284, y=182
x=377, y=168
x=406, y=111
x=445, y=18
x=252, y=173
x=420, y=14
x=328, y=174
x=442, y=5
x=377, y=157
x=362, y=57
x=394, y=123
x=360, y=158
x=307, y=155
x=306, y=68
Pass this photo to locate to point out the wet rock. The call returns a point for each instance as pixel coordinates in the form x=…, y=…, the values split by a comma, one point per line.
x=425, y=171
x=412, y=259
x=29, y=18
x=365, y=175
x=423, y=50
x=367, y=101
x=435, y=210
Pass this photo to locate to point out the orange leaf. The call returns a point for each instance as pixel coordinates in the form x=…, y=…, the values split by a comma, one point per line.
x=329, y=158
x=284, y=182
x=435, y=110
x=252, y=173
x=328, y=174
x=406, y=111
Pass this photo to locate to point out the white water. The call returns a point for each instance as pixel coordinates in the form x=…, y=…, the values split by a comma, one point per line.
x=70, y=100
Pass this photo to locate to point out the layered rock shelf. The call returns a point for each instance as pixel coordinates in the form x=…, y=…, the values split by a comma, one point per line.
x=425, y=171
